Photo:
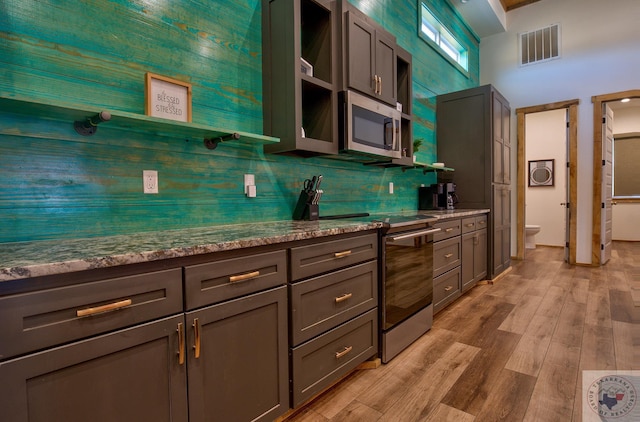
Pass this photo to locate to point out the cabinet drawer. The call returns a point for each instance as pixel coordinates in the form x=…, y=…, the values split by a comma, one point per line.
x=446, y=255
x=446, y=289
x=307, y=261
x=481, y=222
x=213, y=282
x=35, y=320
x=449, y=228
x=469, y=224
x=321, y=361
x=321, y=303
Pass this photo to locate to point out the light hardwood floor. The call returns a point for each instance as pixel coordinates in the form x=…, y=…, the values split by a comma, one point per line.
x=511, y=351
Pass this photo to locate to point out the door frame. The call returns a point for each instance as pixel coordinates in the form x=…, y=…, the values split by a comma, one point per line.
x=521, y=179
x=598, y=100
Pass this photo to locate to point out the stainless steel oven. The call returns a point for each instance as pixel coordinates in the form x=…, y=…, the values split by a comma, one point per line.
x=406, y=282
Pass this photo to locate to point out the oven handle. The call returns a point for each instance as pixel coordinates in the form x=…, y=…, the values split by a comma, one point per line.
x=412, y=234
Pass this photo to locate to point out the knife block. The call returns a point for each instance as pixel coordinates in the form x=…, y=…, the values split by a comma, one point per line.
x=304, y=209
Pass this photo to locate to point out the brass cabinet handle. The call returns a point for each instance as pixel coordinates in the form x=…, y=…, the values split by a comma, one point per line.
x=180, y=331
x=448, y=229
x=470, y=224
x=380, y=89
x=242, y=277
x=341, y=254
x=482, y=222
x=449, y=255
x=344, y=297
x=104, y=308
x=446, y=289
x=196, y=335
x=344, y=352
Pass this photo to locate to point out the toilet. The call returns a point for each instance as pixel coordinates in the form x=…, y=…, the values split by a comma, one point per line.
x=530, y=235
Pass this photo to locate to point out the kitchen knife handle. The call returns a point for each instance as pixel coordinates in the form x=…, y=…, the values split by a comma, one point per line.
x=104, y=308
x=196, y=336
x=243, y=277
x=180, y=331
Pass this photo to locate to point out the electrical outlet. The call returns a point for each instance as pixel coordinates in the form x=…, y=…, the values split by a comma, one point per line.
x=150, y=181
x=391, y=188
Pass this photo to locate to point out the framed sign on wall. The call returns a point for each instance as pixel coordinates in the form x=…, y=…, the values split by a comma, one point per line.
x=167, y=98
x=541, y=173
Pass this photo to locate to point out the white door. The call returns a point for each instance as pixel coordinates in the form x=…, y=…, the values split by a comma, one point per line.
x=607, y=185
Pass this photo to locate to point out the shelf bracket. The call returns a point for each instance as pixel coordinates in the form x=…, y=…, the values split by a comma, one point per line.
x=90, y=125
x=212, y=143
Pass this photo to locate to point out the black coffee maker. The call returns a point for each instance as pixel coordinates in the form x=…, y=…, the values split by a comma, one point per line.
x=438, y=196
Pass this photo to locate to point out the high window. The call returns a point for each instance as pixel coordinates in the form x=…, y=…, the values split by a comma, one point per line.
x=441, y=39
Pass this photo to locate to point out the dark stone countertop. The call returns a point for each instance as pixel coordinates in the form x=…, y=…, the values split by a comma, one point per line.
x=20, y=260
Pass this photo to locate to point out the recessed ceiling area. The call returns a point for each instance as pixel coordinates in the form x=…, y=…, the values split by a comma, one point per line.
x=488, y=17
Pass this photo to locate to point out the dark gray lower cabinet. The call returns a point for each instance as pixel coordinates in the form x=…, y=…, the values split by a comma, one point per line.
x=237, y=359
x=130, y=375
x=474, y=258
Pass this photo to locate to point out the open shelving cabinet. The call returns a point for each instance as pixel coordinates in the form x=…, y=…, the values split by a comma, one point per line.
x=300, y=103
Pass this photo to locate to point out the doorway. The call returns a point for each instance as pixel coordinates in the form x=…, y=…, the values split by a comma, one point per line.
x=523, y=175
x=599, y=236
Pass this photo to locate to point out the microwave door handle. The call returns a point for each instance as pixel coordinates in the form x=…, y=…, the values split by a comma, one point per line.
x=396, y=138
x=389, y=122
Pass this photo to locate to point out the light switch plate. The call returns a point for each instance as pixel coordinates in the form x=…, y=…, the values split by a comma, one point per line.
x=249, y=180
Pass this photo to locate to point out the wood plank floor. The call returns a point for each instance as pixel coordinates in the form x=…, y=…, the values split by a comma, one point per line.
x=511, y=351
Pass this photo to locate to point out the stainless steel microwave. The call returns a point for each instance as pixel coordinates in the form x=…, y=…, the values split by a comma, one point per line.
x=368, y=126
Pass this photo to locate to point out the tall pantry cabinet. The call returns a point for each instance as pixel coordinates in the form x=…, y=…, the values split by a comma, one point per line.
x=472, y=129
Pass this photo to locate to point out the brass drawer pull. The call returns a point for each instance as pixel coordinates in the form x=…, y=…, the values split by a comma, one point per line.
x=449, y=255
x=242, y=277
x=104, y=308
x=482, y=222
x=470, y=224
x=180, y=331
x=344, y=352
x=344, y=297
x=448, y=229
x=196, y=335
x=446, y=289
x=341, y=254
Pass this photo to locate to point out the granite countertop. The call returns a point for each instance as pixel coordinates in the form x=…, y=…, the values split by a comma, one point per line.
x=20, y=260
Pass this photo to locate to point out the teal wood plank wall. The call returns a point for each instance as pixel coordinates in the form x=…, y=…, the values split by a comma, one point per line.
x=57, y=184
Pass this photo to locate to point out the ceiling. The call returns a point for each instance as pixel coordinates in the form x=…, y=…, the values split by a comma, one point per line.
x=514, y=4
x=488, y=17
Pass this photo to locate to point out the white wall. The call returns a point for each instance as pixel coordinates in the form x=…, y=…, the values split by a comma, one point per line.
x=546, y=138
x=600, y=54
x=626, y=215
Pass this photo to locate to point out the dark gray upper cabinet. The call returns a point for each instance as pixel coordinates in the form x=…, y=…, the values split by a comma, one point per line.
x=472, y=128
x=300, y=104
x=371, y=59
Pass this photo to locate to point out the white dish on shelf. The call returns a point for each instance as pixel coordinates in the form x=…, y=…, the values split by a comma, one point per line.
x=437, y=164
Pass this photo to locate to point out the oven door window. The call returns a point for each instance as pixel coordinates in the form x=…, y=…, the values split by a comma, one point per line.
x=408, y=283
x=372, y=129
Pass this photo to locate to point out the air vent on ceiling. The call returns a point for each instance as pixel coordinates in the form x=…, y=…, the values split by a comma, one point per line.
x=540, y=45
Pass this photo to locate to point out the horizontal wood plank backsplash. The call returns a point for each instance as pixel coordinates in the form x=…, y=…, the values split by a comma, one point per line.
x=55, y=183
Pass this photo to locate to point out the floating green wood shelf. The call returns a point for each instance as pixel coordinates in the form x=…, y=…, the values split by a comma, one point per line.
x=56, y=110
x=426, y=167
